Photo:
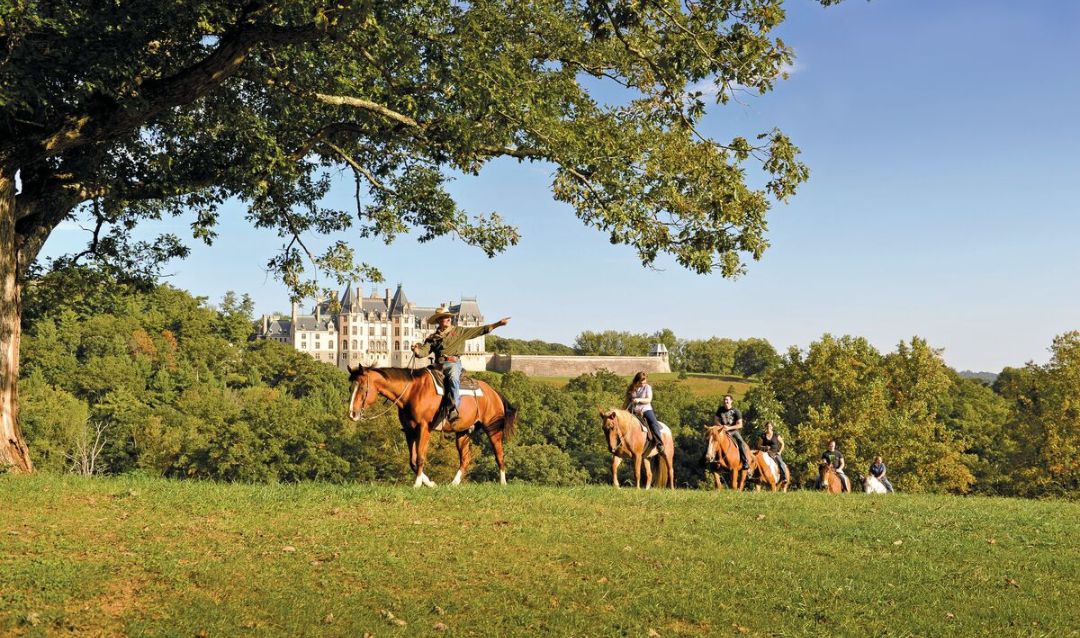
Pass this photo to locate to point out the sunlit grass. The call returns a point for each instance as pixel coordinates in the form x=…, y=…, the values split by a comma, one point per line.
x=154, y=557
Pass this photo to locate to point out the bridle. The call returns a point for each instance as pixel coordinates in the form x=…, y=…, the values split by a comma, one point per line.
x=616, y=430
x=367, y=388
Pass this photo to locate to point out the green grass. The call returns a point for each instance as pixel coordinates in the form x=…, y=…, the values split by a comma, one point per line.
x=159, y=558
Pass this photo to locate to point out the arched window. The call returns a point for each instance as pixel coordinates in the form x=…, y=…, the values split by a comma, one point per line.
x=397, y=345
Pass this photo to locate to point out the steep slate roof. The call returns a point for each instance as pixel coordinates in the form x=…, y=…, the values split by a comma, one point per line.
x=278, y=327
x=399, y=302
x=468, y=307
x=309, y=323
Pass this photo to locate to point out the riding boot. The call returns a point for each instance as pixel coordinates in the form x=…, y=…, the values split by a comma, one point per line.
x=659, y=440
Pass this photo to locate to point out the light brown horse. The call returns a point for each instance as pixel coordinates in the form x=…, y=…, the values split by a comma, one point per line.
x=413, y=393
x=722, y=453
x=627, y=440
x=768, y=472
x=829, y=479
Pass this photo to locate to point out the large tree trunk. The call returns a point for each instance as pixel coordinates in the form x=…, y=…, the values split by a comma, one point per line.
x=13, y=452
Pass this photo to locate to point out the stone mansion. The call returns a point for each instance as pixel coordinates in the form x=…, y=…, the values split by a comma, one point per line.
x=379, y=330
x=373, y=331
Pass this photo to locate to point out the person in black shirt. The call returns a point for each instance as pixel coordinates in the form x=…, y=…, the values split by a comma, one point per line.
x=773, y=444
x=729, y=416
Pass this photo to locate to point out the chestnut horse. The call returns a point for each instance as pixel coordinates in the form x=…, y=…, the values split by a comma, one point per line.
x=829, y=479
x=722, y=453
x=768, y=472
x=627, y=440
x=413, y=393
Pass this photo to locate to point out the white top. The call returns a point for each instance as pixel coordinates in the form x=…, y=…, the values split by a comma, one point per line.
x=641, y=399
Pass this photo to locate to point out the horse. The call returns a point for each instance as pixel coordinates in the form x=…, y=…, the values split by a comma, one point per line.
x=414, y=394
x=722, y=452
x=829, y=479
x=873, y=486
x=626, y=438
x=768, y=471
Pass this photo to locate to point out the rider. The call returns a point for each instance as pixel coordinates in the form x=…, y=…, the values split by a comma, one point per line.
x=447, y=343
x=877, y=470
x=639, y=401
x=731, y=418
x=773, y=444
x=834, y=458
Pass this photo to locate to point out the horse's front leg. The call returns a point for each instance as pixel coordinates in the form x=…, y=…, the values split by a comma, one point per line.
x=464, y=456
x=648, y=472
x=615, y=461
x=421, y=457
x=410, y=438
x=637, y=471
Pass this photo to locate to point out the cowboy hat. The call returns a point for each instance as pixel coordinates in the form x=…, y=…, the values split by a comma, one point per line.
x=440, y=312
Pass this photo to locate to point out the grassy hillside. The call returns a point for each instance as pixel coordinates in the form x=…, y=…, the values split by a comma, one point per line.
x=159, y=558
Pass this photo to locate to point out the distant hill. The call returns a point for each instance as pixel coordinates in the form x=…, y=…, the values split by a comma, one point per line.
x=988, y=377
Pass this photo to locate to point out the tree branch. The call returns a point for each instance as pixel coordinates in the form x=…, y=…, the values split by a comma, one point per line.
x=107, y=119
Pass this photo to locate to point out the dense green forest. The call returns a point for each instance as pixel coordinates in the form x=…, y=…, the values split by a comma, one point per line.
x=118, y=378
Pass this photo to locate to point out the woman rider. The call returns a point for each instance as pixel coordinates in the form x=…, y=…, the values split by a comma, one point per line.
x=639, y=401
x=773, y=444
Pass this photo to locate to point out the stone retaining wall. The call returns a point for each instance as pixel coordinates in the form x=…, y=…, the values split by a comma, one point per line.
x=572, y=366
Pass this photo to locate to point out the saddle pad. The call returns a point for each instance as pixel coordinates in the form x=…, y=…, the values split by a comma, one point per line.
x=771, y=464
x=469, y=388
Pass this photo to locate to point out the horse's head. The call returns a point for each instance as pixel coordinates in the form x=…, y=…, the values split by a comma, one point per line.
x=609, y=421
x=712, y=443
x=824, y=468
x=363, y=391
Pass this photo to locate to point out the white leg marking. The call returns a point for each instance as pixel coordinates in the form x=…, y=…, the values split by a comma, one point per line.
x=502, y=477
x=457, y=478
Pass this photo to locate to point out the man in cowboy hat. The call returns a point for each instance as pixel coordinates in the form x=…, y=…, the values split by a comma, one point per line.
x=447, y=343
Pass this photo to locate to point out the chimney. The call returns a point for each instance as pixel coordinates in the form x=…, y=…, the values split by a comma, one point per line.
x=387, y=298
x=294, y=312
x=266, y=324
x=318, y=310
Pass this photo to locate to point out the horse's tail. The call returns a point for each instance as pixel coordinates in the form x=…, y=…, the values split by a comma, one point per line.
x=509, y=420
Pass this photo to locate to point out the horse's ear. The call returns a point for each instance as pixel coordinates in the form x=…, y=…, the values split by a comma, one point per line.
x=350, y=369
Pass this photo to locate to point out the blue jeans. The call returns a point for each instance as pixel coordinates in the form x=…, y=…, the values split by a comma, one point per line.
x=452, y=381
x=886, y=483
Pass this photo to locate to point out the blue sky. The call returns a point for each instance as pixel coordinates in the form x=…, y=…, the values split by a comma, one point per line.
x=944, y=146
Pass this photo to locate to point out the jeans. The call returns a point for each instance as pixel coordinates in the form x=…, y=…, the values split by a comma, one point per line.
x=886, y=483
x=741, y=444
x=452, y=381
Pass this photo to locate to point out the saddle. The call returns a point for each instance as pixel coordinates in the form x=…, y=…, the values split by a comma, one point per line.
x=469, y=387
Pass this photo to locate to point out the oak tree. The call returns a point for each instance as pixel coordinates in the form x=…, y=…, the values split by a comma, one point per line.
x=128, y=111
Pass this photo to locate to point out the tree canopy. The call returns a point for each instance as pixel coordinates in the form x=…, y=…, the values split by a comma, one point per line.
x=134, y=112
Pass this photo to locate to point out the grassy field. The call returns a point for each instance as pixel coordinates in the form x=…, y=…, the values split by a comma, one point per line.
x=146, y=557
x=701, y=385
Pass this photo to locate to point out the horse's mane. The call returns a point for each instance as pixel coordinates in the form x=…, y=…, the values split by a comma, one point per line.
x=394, y=374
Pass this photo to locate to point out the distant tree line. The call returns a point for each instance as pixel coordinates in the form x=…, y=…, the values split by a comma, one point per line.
x=118, y=378
x=740, y=357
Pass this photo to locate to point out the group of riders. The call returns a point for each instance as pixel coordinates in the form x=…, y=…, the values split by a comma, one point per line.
x=447, y=344
x=639, y=401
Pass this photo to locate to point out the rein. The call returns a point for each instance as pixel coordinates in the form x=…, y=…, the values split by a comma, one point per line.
x=393, y=404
